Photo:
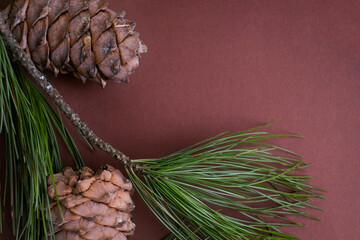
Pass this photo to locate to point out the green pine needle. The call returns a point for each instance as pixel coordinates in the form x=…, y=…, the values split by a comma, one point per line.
x=28, y=125
x=189, y=190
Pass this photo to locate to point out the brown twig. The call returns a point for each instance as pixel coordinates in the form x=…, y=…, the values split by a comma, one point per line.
x=43, y=82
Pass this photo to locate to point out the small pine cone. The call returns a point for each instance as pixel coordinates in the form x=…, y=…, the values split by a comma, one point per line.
x=79, y=36
x=93, y=206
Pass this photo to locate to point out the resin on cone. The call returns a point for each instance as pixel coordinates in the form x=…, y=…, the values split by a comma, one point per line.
x=93, y=206
x=79, y=36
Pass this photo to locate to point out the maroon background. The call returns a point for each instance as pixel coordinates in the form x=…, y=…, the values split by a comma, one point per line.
x=216, y=65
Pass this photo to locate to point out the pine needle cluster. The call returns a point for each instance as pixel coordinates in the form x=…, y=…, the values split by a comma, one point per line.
x=190, y=189
x=28, y=124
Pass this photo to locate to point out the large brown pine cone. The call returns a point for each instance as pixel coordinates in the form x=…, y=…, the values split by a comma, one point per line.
x=94, y=206
x=79, y=36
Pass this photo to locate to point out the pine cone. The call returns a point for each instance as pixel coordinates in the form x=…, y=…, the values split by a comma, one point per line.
x=93, y=207
x=79, y=36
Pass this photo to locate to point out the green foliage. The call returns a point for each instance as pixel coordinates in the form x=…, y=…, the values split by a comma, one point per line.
x=28, y=124
x=190, y=189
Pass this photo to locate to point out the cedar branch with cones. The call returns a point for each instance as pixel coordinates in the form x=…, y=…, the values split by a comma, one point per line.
x=220, y=171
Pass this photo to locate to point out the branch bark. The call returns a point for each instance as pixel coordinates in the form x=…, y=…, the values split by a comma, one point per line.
x=41, y=80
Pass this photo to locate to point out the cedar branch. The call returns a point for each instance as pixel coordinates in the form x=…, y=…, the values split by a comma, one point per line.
x=174, y=187
x=51, y=91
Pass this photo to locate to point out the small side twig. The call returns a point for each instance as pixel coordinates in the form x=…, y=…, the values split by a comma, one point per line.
x=43, y=82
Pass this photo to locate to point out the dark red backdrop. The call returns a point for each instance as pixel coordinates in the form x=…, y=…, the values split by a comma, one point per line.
x=216, y=65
